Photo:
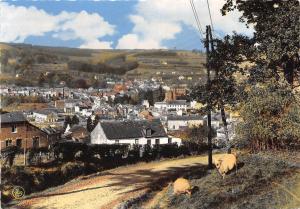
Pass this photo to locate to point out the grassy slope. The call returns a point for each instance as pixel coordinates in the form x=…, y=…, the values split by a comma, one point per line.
x=261, y=182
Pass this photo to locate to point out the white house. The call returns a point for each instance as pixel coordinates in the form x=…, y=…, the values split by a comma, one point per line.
x=160, y=105
x=171, y=105
x=145, y=103
x=177, y=105
x=45, y=115
x=177, y=122
x=131, y=132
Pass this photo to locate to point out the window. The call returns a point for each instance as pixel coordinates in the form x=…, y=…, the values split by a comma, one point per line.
x=8, y=142
x=14, y=128
x=117, y=141
x=169, y=140
x=136, y=141
x=148, y=132
x=19, y=142
x=156, y=141
x=35, y=142
x=149, y=141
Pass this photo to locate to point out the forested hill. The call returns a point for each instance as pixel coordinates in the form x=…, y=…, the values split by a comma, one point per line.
x=21, y=61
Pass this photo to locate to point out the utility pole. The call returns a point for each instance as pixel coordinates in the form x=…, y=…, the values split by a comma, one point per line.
x=223, y=115
x=208, y=86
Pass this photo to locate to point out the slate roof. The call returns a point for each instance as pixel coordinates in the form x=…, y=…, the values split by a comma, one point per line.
x=48, y=111
x=77, y=128
x=13, y=117
x=50, y=130
x=132, y=129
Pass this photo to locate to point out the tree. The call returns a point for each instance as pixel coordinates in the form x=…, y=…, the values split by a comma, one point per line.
x=277, y=32
x=271, y=117
x=4, y=57
x=75, y=120
x=42, y=80
x=96, y=120
x=68, y=121
x=197, y=134
x=89, y=124
x=225, y=60
x=80, y=83
x=161, y=96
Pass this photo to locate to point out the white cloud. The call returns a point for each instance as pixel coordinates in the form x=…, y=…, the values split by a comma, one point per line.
x=147, y=34
x=132, y=41
x=160, y=20
x=96, y=44
x=18, y=23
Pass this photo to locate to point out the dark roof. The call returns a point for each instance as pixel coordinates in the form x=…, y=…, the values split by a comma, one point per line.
x=13, y=117
x=77, y=128
x=50, y=130
x=185, y=117
x=132, y=129
x=48, y=111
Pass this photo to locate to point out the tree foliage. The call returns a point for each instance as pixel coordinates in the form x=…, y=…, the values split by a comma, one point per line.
x=225, y=60
x=277, y=31
x=270, y=117
x=75, y=120
x=195, y=134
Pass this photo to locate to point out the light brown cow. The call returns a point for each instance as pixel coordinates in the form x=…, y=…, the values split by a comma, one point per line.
x=182, y=186
x=226, y=163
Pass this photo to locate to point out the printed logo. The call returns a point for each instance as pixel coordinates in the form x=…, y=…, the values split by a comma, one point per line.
x=18, y=192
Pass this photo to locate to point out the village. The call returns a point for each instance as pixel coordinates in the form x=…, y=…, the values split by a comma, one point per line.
x=74, y=114
x=155, y=104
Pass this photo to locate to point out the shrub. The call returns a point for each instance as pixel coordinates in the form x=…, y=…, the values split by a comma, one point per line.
x=72, y=169
x=68, y=149
x=166, y=150
x=18, y=176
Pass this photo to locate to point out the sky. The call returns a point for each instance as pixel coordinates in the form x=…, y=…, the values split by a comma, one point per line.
x=135, y=24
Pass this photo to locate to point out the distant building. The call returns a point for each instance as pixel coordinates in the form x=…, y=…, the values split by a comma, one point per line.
x=175, y=123
x=172, y=105
x=175, y=93
x=45, y=115
x=145, y=103
x=77, y=133
x=130, y=132
x=145, y=114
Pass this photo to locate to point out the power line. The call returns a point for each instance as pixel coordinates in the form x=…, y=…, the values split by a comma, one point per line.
x=196, y=18
x=193, y=38
x=211, y=22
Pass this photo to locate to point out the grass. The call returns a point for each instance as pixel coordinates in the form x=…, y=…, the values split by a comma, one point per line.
x=261, y=182
x=5, y=46
x=103, y=57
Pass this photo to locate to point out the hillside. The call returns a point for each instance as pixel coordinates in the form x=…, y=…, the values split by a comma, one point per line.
x=25, y=64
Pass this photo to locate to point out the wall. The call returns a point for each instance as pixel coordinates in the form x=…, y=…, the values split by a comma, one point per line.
x=98, y=136
x=25, y=132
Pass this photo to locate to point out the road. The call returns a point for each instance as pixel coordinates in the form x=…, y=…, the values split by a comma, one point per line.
x=109, y=189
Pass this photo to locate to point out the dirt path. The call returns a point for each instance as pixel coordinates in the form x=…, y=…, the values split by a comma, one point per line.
x=109, y=189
